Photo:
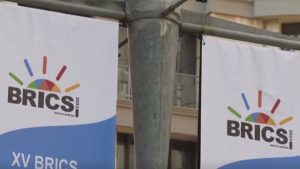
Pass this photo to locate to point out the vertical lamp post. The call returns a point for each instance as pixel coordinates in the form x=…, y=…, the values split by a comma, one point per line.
x=153, y=41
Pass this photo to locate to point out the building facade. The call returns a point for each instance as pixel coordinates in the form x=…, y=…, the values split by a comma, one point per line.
x=271, y=15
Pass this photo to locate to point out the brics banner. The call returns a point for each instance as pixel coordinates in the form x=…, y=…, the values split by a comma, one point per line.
x=58, y=90
x=250, y=107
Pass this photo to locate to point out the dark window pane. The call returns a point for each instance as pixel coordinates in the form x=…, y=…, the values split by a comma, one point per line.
x=182, y=155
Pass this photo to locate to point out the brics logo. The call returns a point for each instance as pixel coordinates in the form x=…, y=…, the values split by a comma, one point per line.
x=43, y=93
x=260, y=126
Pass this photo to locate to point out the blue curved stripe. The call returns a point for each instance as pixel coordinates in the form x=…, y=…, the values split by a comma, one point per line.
x=267, y=163
x=92, y=146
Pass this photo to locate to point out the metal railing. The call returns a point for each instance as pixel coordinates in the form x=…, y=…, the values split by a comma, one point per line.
x=124, y=86
x=185, y=90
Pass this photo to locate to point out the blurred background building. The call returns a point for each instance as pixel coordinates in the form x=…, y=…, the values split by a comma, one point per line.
x=270, y=15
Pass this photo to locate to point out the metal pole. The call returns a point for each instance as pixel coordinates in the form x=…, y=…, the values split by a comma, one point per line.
x=72, y=8
x=199, y=106
x=172, y=8
x=153, y=45
x=237, y=35
x=122, y=43
x=86, y=10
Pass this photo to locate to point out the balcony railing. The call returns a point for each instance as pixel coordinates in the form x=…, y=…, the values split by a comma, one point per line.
x=124, y=86
x=185, y=90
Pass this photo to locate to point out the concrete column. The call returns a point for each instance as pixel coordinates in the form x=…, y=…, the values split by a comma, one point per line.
x=153, y=45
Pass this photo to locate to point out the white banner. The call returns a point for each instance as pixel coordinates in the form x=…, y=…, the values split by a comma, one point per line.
x=250, y=107
x=58, y=85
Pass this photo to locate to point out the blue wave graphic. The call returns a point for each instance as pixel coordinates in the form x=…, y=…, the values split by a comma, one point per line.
x=90, y=146
x=267, y=163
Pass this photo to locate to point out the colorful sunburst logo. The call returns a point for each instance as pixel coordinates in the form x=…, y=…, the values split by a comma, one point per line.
x=260, y=117
x=50, y=96
x=44, y=84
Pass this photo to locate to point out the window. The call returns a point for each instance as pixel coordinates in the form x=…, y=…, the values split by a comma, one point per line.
x=125, y=152
x=292, y=29
x=182, y=154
